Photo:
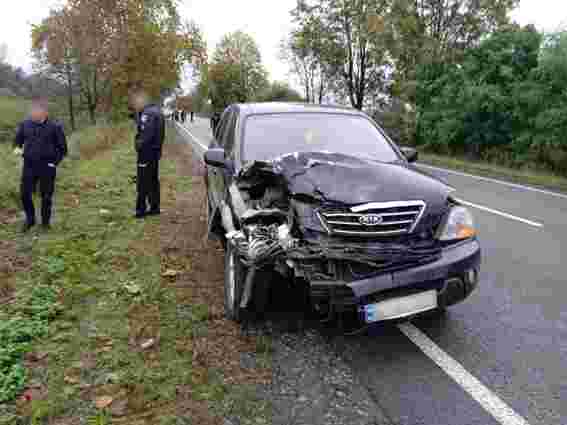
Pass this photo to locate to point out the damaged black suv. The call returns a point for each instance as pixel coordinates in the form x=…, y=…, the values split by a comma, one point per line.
x=323, y=198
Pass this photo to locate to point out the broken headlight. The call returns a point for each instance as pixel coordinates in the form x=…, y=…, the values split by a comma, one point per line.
x=457, y=225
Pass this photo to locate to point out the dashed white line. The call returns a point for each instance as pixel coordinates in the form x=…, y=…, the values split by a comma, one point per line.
x=491, y=180
x=486, y=398
x=500, y=213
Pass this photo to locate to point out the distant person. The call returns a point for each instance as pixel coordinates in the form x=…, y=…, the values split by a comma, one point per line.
x=149, y=142
x=192, y=116
x=41, y=141
x=183, y=116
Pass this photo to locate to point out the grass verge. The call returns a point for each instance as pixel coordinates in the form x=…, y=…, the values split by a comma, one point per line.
x=115, y=320
x=527, y=177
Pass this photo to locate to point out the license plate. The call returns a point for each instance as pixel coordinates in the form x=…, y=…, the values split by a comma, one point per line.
x=395, y=308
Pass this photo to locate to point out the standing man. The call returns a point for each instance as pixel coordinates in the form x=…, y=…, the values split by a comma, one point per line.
x=192, y=115
x=43, y=146
x=149, y=142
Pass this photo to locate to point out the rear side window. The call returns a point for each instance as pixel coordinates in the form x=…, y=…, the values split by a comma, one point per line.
x=219, y=135
x=228, y=137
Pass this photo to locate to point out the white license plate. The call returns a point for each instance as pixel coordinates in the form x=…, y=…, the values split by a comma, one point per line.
x=395, y=308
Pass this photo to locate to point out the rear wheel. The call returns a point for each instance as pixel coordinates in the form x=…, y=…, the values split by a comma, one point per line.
x=234, y=277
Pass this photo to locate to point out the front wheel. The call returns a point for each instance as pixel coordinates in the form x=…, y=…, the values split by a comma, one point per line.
x=234, y=277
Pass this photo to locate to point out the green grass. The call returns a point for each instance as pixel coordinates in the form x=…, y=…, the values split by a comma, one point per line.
x=521, y=176
x=105, y=269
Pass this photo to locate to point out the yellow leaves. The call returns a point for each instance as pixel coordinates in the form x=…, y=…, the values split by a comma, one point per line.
x=375, y=24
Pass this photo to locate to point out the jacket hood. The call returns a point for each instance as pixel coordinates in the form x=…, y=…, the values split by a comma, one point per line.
x=343, y=179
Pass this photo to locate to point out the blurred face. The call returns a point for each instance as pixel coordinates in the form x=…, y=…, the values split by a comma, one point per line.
x=139, y=101
x=38, y=112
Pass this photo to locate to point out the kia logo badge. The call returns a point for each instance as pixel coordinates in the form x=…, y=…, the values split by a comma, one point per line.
x=371, y=219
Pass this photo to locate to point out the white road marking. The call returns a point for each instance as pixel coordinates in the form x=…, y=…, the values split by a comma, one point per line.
x=203, y=147
x=504, y=183
x=486, y=398
x=500, y=213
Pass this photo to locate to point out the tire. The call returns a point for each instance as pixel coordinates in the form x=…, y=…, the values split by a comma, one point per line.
x=234, y=277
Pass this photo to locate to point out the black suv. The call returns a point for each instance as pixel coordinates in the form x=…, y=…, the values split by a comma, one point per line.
x=323, y=198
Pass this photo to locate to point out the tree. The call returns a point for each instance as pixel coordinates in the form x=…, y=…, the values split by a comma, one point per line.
x=280, y=92
x=428, y=31
x=349, y=47
x=236, y=73
x=303, y=51
x=117, y=45
x=478, y=107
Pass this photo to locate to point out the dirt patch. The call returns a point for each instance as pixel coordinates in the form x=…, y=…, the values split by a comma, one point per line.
x=193, y=267
x=12, y=263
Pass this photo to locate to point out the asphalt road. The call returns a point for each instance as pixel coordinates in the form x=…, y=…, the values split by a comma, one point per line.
x=499, y=357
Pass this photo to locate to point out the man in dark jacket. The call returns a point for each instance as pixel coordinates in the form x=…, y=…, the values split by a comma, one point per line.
x=43, y=146
x=149, y=142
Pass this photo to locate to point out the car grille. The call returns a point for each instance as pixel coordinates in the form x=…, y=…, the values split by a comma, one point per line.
x=374, y=219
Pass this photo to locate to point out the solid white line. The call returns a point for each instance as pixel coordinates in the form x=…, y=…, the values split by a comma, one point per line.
x=192, y=137
x=504, y=183
x=486, y=398
x=500, y=213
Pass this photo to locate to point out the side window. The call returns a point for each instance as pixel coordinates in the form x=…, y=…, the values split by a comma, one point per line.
x=228, y=136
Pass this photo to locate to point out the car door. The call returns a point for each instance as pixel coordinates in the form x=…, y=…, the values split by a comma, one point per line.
x=216, y=176
x=227, y=143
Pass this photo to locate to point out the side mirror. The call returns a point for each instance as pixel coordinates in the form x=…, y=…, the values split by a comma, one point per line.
x=215, y=158
x=410, y=154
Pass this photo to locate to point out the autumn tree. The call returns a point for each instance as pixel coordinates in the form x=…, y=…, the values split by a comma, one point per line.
x=116, y=45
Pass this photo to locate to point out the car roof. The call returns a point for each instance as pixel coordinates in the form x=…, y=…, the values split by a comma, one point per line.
x=293, y=107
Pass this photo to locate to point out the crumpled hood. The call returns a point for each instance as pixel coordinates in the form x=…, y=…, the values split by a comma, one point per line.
x=339, y=178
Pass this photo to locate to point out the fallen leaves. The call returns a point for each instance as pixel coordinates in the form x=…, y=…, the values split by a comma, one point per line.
x=170, y=273
x=103, y=401
x=148, y=344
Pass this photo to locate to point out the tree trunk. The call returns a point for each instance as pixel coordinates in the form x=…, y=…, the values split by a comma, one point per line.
x=70, y=98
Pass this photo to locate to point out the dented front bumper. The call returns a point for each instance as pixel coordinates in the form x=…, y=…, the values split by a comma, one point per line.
x=454, y=261
x=454, y=275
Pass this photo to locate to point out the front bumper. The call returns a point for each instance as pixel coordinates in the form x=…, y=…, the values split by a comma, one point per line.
x=454, y=275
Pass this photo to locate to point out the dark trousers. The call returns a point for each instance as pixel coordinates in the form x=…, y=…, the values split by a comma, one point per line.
x=148, y=186
x=32, y=173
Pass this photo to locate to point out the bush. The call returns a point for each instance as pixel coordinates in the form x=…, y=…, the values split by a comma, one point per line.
x=507, y=102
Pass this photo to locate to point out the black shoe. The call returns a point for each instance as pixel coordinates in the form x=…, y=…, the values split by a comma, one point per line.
x=27, y=226
x=154, y=212
x=140, y=215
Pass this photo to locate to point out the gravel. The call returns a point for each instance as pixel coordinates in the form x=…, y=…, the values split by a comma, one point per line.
x=312, y=385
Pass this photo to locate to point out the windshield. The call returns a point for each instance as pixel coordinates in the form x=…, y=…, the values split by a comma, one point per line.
x=269, y=136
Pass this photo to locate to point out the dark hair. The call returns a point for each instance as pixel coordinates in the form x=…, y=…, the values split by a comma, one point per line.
x=41, y=101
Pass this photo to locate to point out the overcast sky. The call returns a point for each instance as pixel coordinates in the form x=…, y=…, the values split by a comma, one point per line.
x=266, y=20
